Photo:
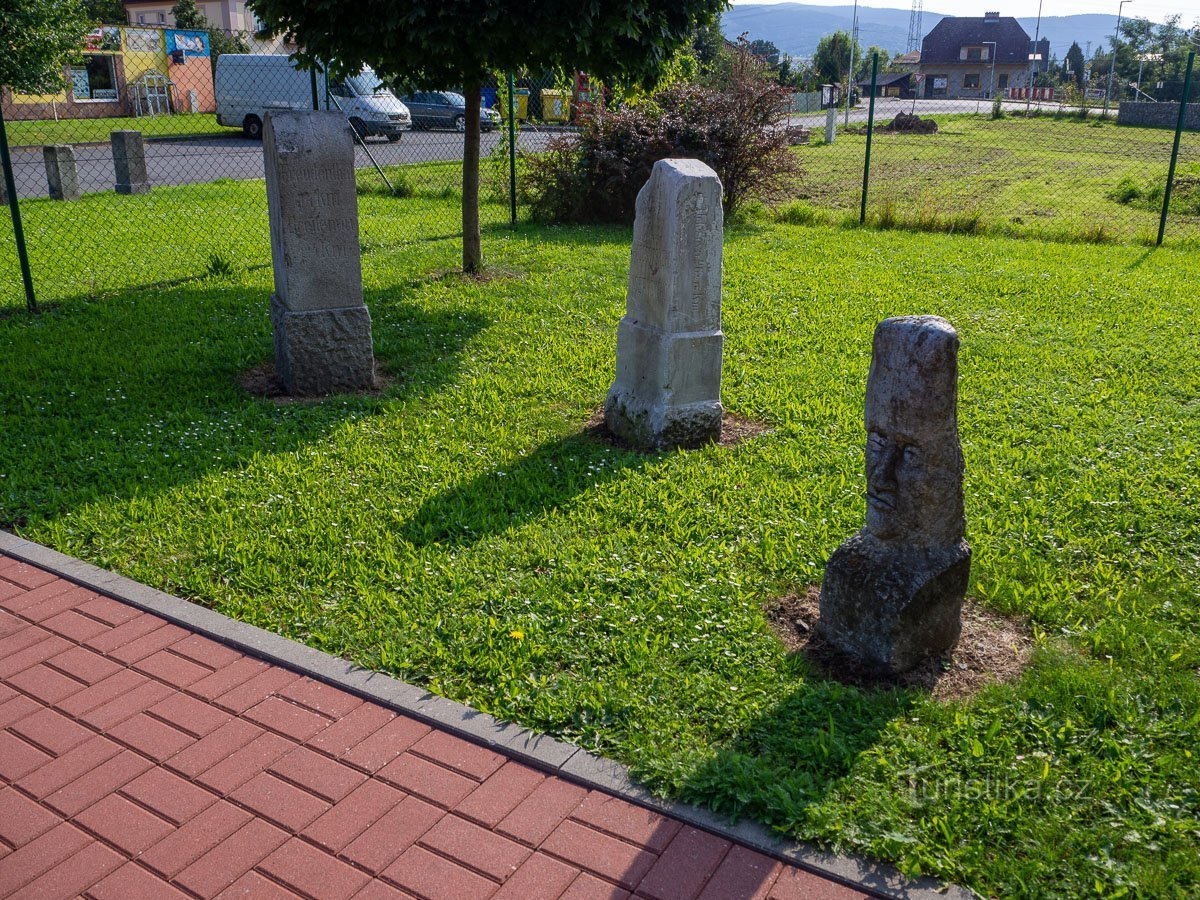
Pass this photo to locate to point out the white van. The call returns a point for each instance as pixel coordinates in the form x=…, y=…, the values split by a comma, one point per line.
x=248, y=85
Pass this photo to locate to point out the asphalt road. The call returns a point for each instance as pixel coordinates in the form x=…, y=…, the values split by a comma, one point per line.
x=887, y=107
x=202, y=160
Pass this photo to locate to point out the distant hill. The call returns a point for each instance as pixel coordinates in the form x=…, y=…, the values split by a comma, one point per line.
x=796, y=28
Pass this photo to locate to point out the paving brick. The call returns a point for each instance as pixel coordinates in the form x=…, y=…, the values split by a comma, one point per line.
x=150, y=736
x=21, y=820
x=50, y=645
x=31, y=599
x=318, y=774
x=22, y=638
x=480, y=849
x=313, y=872
x=189, y=714
x=384, y=745
x=320, y=697
x=254, y=691
x=124, y=825
x=104, y=779
x=685, y=866
x=625, y=864
x=48, y=778
x=242, y=765
x=109, y=611
x=121, y=708
x=489, y=803
x=46, y=684
x=86, y=665
x=130, y=630
x=425, y=779
x=351, y=817
x=256, y=886
x=742, y=875
x=214, y=747
x=53, y=607
x=625, y=820
x=194, y=838
x=538, y=876
x=429, y=875
x=376, y=889
x=228, y=677
x=9, y=591
x=132, y=882
x=39, y=855
x=25, y=575
x=539, y=814
x=277, y=801
x=287, y=718
x=231, y=859
x=589, y=887
x=461, y=756
x=16, y=709
x=51, y=731
x=6, y=693
x=168, y=795
x=18, y=758
x=116, y=685
x=73, y=876
x=207, y=652
x=351, y=729
x=174, y=670
x=142, y=647
x=796, y=884
x=10, y=624
x=377, y=847
x=73, y=626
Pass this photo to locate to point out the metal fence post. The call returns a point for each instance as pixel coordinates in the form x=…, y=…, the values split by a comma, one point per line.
x=512, y=151
x=10, y=187
x=862, y=215
x=1183, y=105
x=316, y=96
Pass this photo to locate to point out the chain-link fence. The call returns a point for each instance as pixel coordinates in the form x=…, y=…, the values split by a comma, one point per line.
x=147, y=167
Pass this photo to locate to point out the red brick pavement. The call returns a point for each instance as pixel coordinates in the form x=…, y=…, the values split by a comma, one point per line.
x=138, y=759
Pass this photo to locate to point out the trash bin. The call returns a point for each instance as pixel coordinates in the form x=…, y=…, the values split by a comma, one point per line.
x=556, y=106
x=520, y=103
x=488, y=97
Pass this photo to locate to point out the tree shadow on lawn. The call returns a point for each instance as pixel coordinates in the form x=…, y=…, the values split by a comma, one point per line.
x=139, y=393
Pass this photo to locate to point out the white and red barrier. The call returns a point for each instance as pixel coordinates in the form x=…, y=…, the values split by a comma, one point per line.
x=1038, y=93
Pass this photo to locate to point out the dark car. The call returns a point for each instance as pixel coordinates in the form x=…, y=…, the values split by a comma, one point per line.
x=446, y=109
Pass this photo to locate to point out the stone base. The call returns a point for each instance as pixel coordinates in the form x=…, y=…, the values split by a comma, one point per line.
x=325, y=351
x=138, y=187
x=661, y=427
x=892, y=607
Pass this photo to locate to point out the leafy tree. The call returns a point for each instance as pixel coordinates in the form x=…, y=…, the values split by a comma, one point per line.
x=766, y=51
x=864, y=62
x=832, y=59
x=105, y=12
x=1075, y=64
x=37, y=38
x=459, y=42
x=188, y=17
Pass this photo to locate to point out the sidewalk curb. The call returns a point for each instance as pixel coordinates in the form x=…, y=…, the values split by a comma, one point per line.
x=550, y=755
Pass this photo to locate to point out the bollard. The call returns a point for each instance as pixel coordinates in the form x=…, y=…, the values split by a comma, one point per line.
x=61, y=175
x=129, y=160
x=830, y=124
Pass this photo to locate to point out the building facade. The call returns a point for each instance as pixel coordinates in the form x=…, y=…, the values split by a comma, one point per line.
x=229, y=15
x=974, y=58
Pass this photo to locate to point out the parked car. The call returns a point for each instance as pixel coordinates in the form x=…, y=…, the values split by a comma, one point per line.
x=446, y=109
x=248, y=85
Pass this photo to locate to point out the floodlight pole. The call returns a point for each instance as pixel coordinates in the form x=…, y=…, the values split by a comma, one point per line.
x=853, y=45
x=992, y=77
x=1037, y=36
x=1112, y=70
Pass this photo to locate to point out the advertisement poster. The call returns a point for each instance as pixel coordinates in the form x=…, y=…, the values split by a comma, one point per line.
x=105, y=38
x=143, y=40
x=190, y=43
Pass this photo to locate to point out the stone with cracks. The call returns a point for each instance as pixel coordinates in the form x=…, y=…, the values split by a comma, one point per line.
x=62, y=178
x=667, y=392
x=129, y=162
x=892, y=594
x=322, y=328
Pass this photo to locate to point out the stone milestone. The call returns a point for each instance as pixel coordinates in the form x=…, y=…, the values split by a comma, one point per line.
x=892, y=594
x=322, y=328
x=667, y=392
x=62, y=178
x=831, y=124
x=129, y=162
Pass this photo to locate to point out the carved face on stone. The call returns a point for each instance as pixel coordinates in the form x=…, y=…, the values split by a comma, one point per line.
x=914, y=462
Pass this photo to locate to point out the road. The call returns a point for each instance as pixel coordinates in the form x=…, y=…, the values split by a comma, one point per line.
x=202, y=160
x=887, y=107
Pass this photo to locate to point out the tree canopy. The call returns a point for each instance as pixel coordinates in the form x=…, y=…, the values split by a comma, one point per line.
x=37, y=37
x=832, y=59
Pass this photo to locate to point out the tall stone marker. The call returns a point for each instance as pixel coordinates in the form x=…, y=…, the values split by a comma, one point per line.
x=892, y=594
x=667, y=392
x=129, y=161
x=322, y=328
x=62, y=177
x=831, y=124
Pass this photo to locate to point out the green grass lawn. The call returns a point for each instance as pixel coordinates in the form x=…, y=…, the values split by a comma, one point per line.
x=464, y=532
x=1041, y=176
x=98, y=131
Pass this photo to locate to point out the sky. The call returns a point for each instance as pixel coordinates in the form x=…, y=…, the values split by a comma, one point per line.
x=1156, y=10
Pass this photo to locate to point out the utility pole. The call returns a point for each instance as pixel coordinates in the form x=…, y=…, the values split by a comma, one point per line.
x=1113, y=68
x=853, y=46
x=1037, y=34
x=914, y=26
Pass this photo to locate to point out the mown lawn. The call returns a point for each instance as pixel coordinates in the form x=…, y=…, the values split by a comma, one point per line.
x=1040, y=176
x=464, y=532
x=39, y=132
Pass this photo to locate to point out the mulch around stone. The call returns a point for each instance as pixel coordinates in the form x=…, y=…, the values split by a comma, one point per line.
x=734, y=430
x=992, y=650
x=263, y=381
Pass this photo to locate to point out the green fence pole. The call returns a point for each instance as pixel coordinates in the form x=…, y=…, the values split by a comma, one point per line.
x=10, y=186
x=316, y=96
x=862, y=215
x=1183, y=105
x=512, y=151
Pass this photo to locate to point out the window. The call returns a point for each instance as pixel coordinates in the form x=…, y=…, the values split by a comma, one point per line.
x=1003, y=82
x=162, y=18
x=971, y=82
x=141, y=18
x=974, y=54
x=96, y=79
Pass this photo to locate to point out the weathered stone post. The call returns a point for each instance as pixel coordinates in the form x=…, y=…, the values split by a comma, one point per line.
x=129, y=160
x=892, y=594
x=830, y=124
x=667, y=392
x=322, y=328
x=61, y=175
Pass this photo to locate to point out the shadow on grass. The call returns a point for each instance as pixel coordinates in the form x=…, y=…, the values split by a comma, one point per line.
x=139, y=393
x=547, y=479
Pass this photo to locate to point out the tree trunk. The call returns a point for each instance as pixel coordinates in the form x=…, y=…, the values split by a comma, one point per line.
x=472, y=251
